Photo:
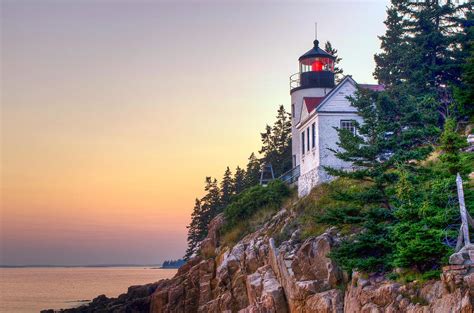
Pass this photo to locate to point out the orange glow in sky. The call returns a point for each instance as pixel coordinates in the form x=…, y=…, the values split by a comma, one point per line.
x=114, y=112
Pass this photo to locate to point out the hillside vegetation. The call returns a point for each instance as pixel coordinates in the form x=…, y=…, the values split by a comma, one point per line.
x=398, y=208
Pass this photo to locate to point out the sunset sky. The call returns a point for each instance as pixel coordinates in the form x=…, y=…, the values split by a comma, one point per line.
x=113, y=112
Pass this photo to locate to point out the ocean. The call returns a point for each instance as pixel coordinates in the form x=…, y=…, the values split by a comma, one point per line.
x=32, y=289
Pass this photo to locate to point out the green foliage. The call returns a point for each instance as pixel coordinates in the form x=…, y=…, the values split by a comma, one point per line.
x=410, y=235
x=276, y=150
x=424, y=47
x=397, y=129
x=451, y=143
x=418, y=245
x=426, y=207
x=239, y=180
x=285, y=232
x=390, y=63
x=433, y=274
x=341, y=216
x=338, y=71
x=321, y=207
x=227, y=187
x=405, y=276
x=252, y=173
x=205, y=209
x=253, y=199
x=464, y=94
x=196, y=229
x=423, y=52
x=276, y=143
x=407, y=205
x=369, y=250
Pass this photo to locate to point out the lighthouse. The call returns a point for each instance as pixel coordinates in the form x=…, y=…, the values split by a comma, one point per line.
x=311, y=84
x=318, y=108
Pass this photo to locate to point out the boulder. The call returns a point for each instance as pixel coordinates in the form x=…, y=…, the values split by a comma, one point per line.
x=465, y=256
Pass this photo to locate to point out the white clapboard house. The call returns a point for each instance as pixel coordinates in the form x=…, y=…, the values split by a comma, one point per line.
x=318, y=105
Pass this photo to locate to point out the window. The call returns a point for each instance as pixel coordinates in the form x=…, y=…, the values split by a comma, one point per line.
x=316, y=65
x=294, y=160
x=307, y=135
x=302, y=142
x=313, y=134
x=349, y=125
x=293, y=110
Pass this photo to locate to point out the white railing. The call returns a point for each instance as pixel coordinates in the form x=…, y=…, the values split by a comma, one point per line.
x=290, y=177
x=295, y=81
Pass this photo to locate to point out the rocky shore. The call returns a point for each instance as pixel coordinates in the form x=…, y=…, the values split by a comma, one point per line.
x=259, y=275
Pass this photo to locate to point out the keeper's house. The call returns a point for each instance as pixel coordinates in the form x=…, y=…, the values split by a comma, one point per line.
x=318, y=105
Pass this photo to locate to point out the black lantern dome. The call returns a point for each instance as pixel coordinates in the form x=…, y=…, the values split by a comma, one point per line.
x=316, y=52
x=316, y=70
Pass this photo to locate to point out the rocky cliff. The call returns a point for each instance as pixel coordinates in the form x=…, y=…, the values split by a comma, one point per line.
x=259, y=275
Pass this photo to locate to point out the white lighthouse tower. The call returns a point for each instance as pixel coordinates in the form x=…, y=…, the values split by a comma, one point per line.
x=308, y=87
x=319, y=107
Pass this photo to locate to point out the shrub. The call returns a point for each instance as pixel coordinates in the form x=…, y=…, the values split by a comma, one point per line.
x=369, y=250
x=324, y=205
x=247, y=203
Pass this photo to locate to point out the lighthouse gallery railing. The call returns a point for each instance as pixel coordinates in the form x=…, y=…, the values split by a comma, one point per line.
x=290, y=177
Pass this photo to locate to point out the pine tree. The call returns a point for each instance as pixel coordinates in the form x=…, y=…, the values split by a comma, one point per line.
x=338, y=72
x=252, y=173
x=239, y=180
x=397, y=129
x=204, y=211
x=227, y=187
x=451, y=143
x=422, y=50
x=390, y=67
x=195, y=230
x=464, y=94
x=211, y=202
x=276, y=143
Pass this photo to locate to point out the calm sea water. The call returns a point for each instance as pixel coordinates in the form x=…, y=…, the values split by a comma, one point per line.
x=32, y=289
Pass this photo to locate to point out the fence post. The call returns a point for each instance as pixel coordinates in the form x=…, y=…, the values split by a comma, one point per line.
x=462, y=207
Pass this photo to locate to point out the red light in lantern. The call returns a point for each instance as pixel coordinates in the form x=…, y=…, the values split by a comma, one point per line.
x=317, y=66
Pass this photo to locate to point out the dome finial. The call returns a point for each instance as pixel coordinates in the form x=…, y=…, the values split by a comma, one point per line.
x=316, y=42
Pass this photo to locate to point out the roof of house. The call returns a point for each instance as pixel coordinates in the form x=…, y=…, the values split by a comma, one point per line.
x=315, y=103
x=312, y=102
x=372, y=87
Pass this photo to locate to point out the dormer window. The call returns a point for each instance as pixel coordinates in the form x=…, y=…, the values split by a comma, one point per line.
x=349, y=125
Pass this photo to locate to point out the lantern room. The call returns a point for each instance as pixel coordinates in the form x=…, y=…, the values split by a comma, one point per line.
x=316, y=70
x=316, y=64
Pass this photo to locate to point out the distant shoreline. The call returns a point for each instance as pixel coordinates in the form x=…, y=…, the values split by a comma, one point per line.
x=154, y=266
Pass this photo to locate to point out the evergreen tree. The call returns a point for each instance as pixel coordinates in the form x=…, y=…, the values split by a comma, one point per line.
x=390, y=67
x=338, y=72
x=239, y=180
x=227, y=187
x=211, y=202
x=195, y=229
x=464, y=94
x=422, y=216
x=252, y=173
x=421, y=48
x=204, y=211
x=276, y=143
x=397, y=129
x=451, y=143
